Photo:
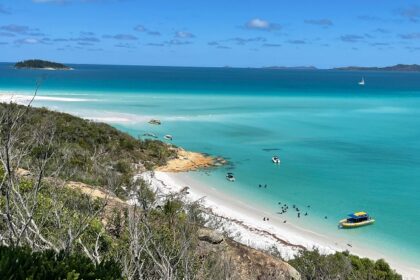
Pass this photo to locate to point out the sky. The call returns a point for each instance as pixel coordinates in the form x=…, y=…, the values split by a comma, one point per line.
x=215, y=33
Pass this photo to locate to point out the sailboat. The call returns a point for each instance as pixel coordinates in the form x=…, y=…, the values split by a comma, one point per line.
x=362, y=82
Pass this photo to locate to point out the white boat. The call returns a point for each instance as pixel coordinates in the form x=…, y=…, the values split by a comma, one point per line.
x=362, y=82
x=230, y=177
x=150, y=135
x=275, y=159
x=168, y=137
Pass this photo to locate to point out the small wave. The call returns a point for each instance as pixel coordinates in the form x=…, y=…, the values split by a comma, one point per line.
x=271, y=149
x=384, y=110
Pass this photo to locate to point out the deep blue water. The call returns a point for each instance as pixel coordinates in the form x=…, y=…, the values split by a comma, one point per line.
x=343, y=147
x=192, y=80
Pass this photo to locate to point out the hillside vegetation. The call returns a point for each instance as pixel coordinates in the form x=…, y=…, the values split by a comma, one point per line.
x=342, y=265
x=91, y=151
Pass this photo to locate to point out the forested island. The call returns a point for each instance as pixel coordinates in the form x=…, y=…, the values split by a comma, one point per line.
x=41, y=64
x=396, y=68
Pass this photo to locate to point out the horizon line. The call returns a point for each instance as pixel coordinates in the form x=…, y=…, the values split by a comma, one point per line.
x=272, y=67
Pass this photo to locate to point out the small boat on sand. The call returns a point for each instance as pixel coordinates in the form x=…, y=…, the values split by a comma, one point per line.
x=168, y=137
x=357, y=219
x=275, y=159
x=230, y=177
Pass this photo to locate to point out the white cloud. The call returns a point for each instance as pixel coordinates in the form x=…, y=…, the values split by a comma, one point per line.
x=123, y=37
x=21, y=29
x=141, y=28
x=29, y=41
x=184, y=34
x=258, y=23
x=261, y=24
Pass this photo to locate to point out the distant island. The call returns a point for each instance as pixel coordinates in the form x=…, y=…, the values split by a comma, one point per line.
x=291, y=68
x=41, y=64
x=398, y=67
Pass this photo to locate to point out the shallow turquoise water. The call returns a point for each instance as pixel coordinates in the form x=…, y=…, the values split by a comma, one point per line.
x=343, y=147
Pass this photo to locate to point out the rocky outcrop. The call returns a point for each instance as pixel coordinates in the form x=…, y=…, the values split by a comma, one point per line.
x=242, y=261
x=210, y=236
x=190, y=161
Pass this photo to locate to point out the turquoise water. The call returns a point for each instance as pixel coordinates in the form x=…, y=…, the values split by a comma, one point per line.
x=343, y=147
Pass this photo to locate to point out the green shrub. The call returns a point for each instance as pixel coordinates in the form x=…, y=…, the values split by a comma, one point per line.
x=21, y=263
x=341, y=265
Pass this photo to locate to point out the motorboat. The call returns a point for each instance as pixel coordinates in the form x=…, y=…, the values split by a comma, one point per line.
x=230, y=177
x=357, y=219
x=168, y=137
x=275, y=159
x=155, y=122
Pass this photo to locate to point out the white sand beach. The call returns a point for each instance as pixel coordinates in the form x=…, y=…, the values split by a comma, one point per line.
x=245, y=224
x=7, y=97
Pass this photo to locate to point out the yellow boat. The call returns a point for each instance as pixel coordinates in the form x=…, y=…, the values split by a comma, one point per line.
x=357, y=219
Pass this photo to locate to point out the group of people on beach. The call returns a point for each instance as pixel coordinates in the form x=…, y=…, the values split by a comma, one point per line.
x=285, y=208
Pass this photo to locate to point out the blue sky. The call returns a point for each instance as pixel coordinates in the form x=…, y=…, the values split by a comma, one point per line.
x=212, y=33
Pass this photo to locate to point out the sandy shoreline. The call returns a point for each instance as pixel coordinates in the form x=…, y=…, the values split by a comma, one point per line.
x=244, y=223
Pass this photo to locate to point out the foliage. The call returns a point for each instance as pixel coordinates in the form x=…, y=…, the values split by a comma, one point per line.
x=341, y=265
x=22, y=263
x=91, y=150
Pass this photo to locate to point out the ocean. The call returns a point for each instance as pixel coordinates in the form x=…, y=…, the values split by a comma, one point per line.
x=343, y=147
